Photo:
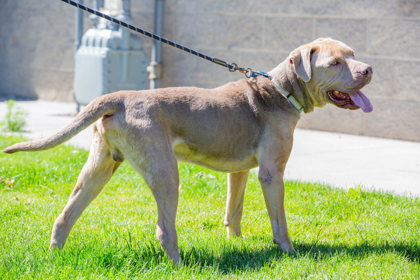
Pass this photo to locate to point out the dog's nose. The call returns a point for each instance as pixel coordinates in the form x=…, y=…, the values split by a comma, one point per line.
x=366, y=71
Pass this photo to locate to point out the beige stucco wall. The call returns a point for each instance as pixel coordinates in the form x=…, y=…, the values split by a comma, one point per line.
x=36, y=50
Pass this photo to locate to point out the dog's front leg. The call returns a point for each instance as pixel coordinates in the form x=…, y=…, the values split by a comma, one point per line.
x=235, y=202
x=271, y=179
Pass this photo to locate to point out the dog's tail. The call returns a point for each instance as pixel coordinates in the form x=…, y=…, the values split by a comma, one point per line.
x=102, y=105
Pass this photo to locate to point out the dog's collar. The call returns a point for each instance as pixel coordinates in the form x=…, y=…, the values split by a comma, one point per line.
x=289, y=97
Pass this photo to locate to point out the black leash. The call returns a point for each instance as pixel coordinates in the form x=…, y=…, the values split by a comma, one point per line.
x=249, y=73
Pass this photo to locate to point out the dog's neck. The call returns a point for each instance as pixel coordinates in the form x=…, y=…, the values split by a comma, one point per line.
x=286, y=77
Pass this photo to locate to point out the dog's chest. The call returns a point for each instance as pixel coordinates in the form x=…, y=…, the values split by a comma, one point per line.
x=220, y=158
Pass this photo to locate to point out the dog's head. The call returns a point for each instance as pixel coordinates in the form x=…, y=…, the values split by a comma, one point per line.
x=331, y=74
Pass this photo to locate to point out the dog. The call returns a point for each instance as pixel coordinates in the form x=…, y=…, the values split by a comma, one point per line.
x=232, y=128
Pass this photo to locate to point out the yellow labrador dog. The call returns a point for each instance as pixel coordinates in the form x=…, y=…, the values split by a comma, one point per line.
x=232, y=128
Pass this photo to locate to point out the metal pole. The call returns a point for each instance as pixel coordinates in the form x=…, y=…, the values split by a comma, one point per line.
x=125, y=11
x=98, y=5
x=78, y=42
x=125, y=15
x=79, y=28
x=155, y=67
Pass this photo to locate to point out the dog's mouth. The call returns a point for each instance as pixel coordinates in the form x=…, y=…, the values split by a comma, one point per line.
x=350, y=101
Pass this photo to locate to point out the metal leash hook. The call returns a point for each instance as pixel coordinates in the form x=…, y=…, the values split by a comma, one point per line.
x=248, y=72
x=253, y=74
x=233, y=67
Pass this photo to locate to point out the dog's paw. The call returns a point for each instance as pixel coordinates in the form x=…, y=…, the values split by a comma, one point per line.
x=54, y=245
x=286, y=246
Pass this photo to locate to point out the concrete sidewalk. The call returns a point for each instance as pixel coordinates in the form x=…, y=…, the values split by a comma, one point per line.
x=335, y=159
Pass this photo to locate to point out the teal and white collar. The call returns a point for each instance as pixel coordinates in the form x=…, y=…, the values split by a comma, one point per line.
x=289, y=97
x=253, y=74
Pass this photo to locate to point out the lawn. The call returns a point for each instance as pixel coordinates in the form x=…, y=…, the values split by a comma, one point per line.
x=338, y=234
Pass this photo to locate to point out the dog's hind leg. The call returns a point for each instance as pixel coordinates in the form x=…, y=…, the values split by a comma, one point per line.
x=165, y=190
x=97, y=171
x=235, y=202
x=158, y=166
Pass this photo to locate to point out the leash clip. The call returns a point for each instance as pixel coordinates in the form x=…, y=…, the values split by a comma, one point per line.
x=253, y=74
x=248, y=72
x=233, y=67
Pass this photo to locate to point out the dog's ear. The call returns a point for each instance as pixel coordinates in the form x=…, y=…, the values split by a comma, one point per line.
x=301, y=62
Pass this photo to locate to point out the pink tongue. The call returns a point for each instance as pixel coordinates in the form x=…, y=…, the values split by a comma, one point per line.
x=362, y=101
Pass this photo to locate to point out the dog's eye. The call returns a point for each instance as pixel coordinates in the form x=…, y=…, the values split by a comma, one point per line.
x=335, y=62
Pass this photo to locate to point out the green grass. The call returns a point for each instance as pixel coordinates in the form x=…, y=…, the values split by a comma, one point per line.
x=338, y=234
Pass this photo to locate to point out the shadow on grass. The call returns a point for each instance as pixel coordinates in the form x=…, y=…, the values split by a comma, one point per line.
x=241, y=259
x=233, y=259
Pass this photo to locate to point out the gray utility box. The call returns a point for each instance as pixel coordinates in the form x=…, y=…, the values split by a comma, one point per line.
x=108, y=60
